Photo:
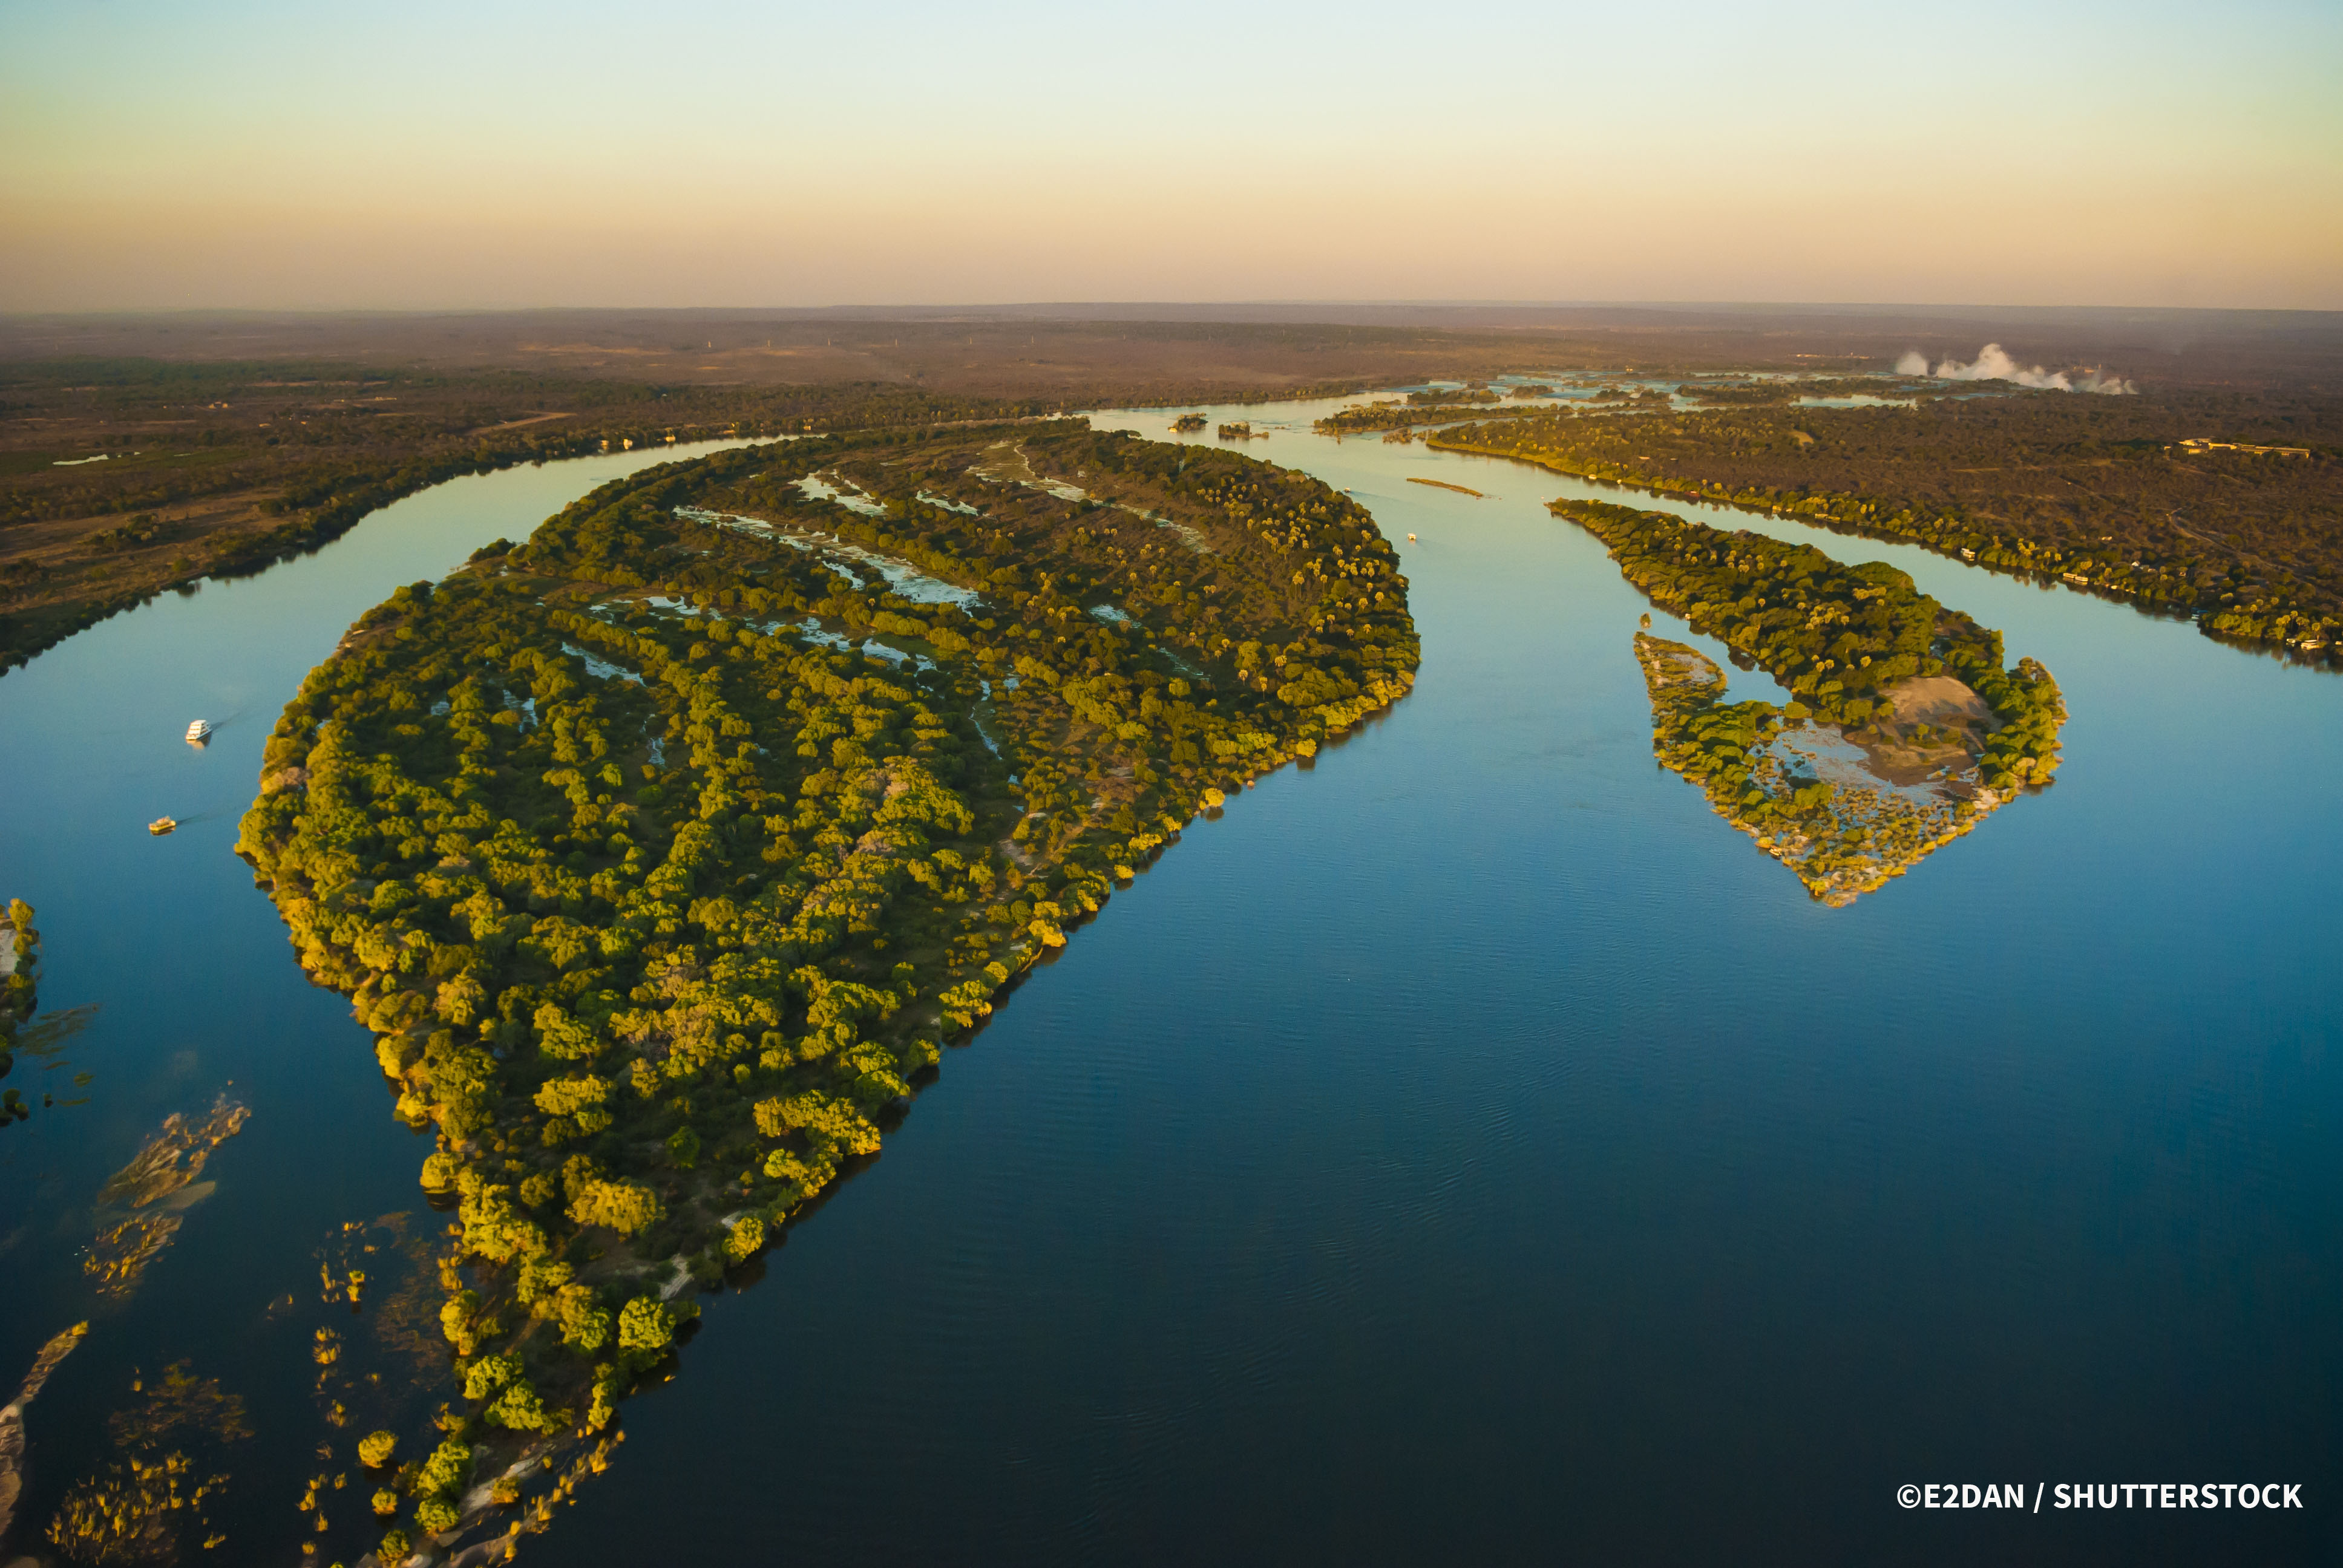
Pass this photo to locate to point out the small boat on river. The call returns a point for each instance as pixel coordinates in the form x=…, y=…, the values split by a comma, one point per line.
x=162, y=825
x=200, y=732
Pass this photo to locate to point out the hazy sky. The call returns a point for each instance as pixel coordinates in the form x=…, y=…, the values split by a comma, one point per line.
x=426, y=155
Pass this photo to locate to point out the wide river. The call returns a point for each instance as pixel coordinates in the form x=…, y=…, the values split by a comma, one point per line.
x=1467, y=1148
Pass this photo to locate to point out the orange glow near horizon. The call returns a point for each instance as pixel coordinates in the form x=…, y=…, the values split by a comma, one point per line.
x=270, y=158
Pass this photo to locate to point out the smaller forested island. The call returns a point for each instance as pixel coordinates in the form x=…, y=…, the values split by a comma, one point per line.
x=1906, y=730
x=1418, y=408
x=663, y=853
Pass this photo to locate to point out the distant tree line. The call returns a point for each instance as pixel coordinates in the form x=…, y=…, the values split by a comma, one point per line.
x=2089, y=490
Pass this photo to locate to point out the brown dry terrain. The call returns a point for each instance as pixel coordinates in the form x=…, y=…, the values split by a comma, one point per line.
x=120, y=479
x=1185, y=350
x=227, y=440
x=1939, y=700
x=1937, y=723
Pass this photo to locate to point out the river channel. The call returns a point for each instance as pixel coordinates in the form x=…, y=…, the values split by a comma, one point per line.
x=1468, y=1147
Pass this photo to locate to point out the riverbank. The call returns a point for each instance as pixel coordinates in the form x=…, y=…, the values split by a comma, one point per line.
x=124, y=480
x=2241, y=566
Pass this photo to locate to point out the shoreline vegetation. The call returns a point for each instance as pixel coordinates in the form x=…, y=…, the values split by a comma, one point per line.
x=20, y=957
x=1401, y=415
x=664, y=852
x=1944, y=734
x=1603, y=394
x=122, y=479
x=2094, y=492
x=223, y=471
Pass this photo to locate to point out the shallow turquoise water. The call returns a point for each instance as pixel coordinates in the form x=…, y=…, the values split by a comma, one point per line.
x=1467, y=1146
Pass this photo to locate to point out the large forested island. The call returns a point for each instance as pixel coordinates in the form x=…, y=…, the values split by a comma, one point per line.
x=664, y=851
x=1906, y=730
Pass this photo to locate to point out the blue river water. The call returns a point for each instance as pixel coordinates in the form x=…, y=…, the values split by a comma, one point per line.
x=1466, y=1148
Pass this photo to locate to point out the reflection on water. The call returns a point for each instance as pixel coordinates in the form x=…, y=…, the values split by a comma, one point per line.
x=901, y=578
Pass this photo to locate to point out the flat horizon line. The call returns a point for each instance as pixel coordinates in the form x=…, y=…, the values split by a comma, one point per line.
x=1010, y=307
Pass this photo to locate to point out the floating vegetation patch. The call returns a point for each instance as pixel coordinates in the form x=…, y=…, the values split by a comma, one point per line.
x=403, y=1317
x=159, y=1183
x=152, y=1503
x=178, y=1405
x=378, y=1357
x=174, y=1156
x=141, y=1510
x=122, y=1250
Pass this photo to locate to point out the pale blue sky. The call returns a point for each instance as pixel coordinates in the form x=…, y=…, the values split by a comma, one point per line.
x=429, y=155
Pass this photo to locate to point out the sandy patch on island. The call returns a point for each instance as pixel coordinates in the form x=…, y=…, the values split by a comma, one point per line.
x=1940, y=700
x=1958, y=720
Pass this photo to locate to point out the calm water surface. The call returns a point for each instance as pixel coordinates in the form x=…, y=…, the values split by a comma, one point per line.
x=197, y=994
x=1468, y=1147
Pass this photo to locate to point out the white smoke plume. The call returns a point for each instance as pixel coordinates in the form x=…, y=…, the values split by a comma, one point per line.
x=1994, y=364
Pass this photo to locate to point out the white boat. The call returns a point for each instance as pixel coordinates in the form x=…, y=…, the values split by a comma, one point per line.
x=200, y=731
